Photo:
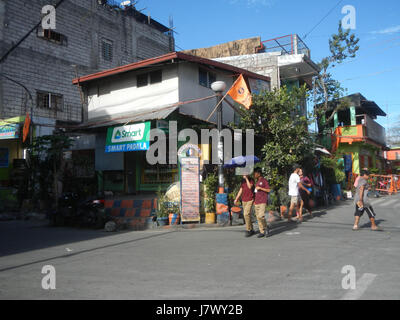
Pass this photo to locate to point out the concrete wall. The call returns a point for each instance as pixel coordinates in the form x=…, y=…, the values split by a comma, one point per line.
x=262, y=63
x=189, y=88
x=119, y=94
x=40, y=64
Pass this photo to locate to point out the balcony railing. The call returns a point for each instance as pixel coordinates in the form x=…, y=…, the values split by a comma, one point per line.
x=290, y=44
x=370, y=130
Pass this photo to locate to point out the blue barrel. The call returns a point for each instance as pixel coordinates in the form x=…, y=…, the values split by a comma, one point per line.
x=222, y=198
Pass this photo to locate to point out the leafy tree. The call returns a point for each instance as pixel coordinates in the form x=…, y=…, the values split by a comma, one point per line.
x=46, y=154
x=342, y=46
x=281, y=131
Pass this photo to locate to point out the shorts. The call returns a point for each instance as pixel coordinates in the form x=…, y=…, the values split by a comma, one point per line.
x=294, y=199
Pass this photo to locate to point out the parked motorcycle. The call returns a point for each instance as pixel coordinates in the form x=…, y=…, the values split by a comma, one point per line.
x=74, y=212
x=92, y=213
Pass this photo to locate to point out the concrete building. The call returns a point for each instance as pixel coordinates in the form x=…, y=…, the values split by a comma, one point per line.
x=356, y=136
x=286, y=60
x=150, y=94
x=36, y=78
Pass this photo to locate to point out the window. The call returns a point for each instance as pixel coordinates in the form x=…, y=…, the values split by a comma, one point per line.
x=144, y=79
x=155, y=77
x=206, y=78
x=52, y=36
x=107, y=50
x=47, y=100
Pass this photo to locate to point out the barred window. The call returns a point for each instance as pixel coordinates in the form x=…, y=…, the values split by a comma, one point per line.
x=107, y=50
x=48, y=100
x=52, y=36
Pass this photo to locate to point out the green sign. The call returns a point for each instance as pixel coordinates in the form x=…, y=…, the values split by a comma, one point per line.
x=132, y=137
x=9, y=131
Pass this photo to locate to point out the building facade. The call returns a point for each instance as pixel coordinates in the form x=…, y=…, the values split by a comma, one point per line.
x=173, y=89
x=36, y=77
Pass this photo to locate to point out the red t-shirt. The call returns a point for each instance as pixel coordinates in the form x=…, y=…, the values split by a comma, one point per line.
x=247, y=194
x=261, y=196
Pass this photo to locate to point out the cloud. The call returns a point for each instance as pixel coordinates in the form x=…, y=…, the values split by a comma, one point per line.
x=389, y=30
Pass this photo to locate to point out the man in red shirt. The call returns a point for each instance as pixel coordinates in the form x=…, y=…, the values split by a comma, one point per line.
x=260, y=201
x=247, y=194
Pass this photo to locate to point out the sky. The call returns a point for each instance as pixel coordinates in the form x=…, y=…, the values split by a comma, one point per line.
x=374, y=71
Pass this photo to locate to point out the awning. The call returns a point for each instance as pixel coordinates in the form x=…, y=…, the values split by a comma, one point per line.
x=132, y=117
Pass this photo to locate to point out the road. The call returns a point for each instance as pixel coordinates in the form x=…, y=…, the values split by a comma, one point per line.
x=298, y=261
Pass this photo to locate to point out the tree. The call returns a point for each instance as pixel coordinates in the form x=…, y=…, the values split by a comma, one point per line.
x=46, y=154
x=280, y=129
x=342, y=46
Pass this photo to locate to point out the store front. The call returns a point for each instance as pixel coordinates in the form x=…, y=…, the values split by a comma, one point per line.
x=121, y=157
x=11, y=154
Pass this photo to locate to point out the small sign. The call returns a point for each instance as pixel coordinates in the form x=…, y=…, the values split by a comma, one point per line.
x=190, y=189
x=9, y=131
x=133, y=137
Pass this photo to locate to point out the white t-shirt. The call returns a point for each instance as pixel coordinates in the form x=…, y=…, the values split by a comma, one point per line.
x=293, y=188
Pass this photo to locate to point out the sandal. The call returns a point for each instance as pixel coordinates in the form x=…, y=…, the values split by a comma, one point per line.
x=355, y=228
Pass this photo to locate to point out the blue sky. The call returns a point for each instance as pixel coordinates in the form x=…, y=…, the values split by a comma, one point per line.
x=373, y=73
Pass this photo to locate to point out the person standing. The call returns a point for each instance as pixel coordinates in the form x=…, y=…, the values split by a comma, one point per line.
x=294, y=186
x=260, y=202
x=294, y=181
x=305, y=194
x=247, y=195
x=362, y=202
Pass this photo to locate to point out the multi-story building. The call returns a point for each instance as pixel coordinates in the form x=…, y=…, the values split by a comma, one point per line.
x=354, y=134
x=286, y=60
x=36, y=77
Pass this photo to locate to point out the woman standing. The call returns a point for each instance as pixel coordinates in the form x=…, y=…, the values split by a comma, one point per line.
x=305, y=195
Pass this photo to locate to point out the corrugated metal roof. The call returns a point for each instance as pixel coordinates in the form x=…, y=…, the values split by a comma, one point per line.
x=165, y=58
x=152, y=114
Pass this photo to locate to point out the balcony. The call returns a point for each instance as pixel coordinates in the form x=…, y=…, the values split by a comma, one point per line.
x=286, y=45
x=369, y=130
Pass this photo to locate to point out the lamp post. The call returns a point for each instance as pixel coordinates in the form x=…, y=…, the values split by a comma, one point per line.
x=218, y=87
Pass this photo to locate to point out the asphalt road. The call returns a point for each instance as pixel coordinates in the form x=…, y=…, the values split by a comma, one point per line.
x=298, y=261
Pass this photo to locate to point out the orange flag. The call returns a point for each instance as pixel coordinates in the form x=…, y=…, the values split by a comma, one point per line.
x=25, y=130
x=240, y=93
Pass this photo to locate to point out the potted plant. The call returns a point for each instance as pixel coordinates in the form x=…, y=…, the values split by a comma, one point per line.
x=210, y=185
x=174, y=213
x=162, y=209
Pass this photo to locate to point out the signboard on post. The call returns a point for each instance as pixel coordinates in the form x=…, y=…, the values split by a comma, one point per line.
x=128, y=138
x=190, y=184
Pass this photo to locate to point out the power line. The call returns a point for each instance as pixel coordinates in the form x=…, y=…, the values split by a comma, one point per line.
x=330, y=11
x=371, y=74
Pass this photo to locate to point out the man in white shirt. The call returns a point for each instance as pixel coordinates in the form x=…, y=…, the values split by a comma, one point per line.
x=294, y=185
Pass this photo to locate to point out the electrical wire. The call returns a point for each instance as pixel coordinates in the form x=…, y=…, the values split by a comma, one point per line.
x=330, y=11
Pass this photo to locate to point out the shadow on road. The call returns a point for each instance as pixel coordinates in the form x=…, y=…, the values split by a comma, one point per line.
x=22, y=236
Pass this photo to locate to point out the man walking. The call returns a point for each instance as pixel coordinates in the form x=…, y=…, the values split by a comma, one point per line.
x=294, y=186
x=260, y=201
x=247, y=194
x=362, y=202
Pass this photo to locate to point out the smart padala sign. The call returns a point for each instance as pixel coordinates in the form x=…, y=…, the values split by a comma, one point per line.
x=132, y=137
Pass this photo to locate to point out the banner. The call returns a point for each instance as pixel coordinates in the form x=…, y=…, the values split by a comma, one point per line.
x=240, y=92
x=9, y=131
x=133, y=137
x=25, y=130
